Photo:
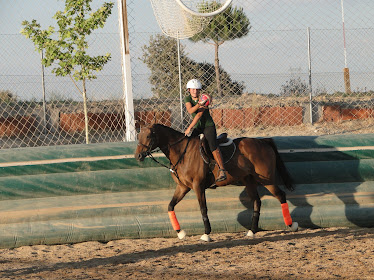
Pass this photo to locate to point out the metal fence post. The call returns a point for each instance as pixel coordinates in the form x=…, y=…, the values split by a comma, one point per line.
x=43, y=89
x=310, y=77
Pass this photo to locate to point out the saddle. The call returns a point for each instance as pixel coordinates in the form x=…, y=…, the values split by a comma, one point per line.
x=226, y=146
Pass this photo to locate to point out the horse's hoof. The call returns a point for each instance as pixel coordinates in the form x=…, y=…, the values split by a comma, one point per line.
x=213, y=186
x=181, y=234
x=250, y=234
x=205, y=238
x=294, y=227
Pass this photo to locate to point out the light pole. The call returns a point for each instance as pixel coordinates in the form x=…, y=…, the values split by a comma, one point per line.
x=347, y=81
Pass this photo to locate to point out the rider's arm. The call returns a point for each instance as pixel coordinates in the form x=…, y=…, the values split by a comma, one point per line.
x=194, y=121
x=192, y=109
x=196, y=118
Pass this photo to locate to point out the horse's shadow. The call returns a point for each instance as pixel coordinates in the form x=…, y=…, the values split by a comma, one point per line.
x=332, y=173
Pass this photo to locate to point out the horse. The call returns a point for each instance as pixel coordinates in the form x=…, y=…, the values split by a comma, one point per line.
x=255, y=161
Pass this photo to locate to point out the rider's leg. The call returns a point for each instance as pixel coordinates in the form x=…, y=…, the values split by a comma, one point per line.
x=222, y=172
x=211, y=136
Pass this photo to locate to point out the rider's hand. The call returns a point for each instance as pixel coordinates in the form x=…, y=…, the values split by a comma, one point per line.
x=188, y=132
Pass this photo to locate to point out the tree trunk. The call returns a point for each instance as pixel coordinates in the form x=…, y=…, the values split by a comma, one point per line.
x=216, y=66
x=85, y=111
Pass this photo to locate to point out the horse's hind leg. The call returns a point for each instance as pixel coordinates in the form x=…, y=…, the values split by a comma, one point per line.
x=281, y=196
x=179, y=193
x=251, y=189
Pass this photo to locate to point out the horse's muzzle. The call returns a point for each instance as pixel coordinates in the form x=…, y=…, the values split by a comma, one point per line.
x=140, y=156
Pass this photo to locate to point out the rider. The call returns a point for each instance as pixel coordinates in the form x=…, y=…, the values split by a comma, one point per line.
x=203, y=123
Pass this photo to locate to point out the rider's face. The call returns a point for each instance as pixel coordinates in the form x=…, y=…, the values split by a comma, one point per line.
x=194, y=92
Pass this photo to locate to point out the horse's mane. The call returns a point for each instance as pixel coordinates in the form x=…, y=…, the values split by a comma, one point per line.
x=158, y=127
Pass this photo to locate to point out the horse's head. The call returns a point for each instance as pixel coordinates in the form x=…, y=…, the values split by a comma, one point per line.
x=147, y=142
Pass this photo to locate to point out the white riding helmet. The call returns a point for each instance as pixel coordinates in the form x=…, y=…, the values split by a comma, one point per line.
x=194, y=83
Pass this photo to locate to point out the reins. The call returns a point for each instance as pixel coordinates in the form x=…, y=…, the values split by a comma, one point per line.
x=173, y=167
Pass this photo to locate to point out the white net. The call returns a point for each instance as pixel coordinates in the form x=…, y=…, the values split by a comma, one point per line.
x=203, y=8
x=175, y=21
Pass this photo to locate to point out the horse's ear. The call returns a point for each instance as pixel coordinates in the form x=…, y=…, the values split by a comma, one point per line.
x=153, y=126
x=153, y=122
x=141, y=124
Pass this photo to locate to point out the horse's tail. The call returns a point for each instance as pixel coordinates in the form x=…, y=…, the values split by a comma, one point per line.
x=283, y=172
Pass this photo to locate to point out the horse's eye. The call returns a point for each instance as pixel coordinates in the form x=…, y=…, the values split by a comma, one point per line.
x=148, y=136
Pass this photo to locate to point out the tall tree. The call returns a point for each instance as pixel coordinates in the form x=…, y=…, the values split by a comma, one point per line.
x=69, y=49
x=161, y=57
x=226, y=26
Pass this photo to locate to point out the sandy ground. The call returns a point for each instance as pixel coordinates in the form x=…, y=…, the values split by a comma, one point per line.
x=332, y=253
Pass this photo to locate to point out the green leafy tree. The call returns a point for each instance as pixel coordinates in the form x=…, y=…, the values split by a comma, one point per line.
x=161, y=57
x=207, y=75
x=226, y=26
x=67, y=50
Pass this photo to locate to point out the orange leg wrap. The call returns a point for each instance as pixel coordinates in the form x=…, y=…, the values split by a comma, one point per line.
x=286, y=214
x=174, y=221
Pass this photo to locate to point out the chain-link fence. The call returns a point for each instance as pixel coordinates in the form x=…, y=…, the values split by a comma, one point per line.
x=281, y=74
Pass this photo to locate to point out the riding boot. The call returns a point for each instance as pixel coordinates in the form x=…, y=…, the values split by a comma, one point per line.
x=221, y=176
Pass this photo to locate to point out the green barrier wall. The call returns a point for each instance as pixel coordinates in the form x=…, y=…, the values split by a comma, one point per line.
x=67, y=194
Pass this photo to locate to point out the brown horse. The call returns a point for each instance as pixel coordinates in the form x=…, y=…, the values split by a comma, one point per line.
x=254, y=162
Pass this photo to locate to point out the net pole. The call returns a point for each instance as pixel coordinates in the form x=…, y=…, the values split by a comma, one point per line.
x=344, y=42
x=126, y=72
x=347, y=82
x=180, y=81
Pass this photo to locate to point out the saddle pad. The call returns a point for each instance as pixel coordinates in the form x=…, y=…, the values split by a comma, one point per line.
x=227, y=150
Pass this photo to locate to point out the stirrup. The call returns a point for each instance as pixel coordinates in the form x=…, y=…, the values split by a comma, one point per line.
x=223, y=176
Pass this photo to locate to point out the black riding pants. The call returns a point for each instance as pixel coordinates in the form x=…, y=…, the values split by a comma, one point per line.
x=210, y=134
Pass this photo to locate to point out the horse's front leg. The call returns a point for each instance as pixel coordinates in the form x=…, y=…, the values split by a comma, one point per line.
x=179, y=193
x=200, y=193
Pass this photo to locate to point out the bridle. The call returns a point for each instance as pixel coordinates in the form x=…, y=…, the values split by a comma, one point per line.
x=149, y=150
x=148, y=147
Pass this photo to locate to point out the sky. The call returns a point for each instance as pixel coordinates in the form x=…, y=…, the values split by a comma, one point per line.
x=276, y=45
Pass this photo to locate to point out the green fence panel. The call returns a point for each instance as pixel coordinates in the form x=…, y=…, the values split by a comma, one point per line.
x=66, y=194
